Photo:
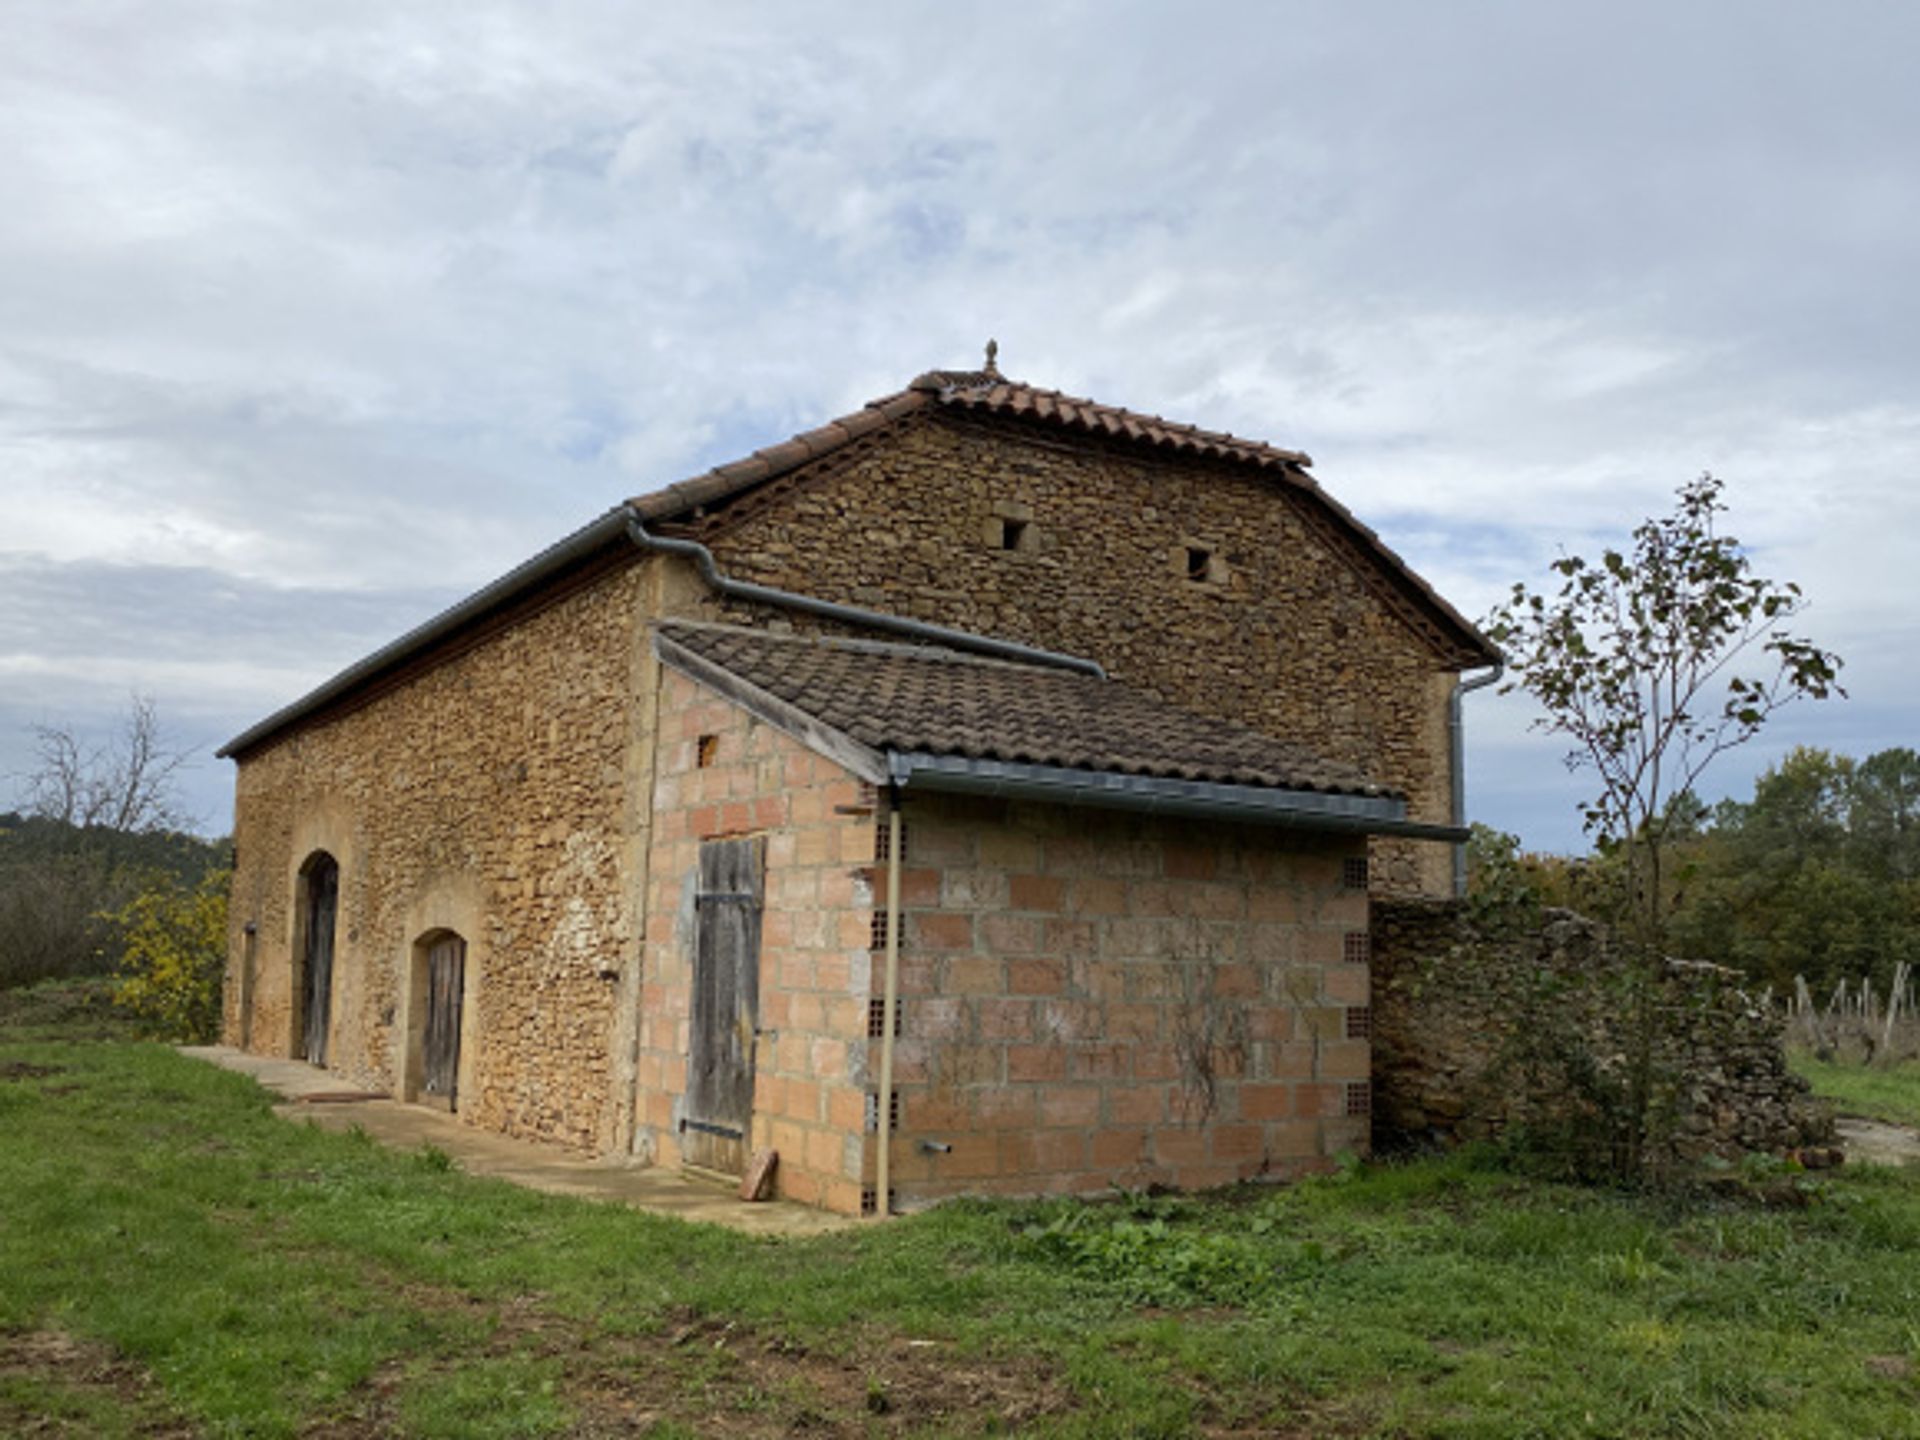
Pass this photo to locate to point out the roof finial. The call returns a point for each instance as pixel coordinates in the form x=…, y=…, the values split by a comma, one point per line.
x=993, y=358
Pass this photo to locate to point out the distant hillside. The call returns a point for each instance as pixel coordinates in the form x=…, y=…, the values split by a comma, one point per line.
x=59, y=882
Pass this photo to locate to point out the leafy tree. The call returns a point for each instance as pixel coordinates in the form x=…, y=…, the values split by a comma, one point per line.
x=1814, y=876
x=1653, y=662
x=173, y=956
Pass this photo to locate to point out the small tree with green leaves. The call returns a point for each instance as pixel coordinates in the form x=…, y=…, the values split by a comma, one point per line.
x=1653, y=662
x=173, y=959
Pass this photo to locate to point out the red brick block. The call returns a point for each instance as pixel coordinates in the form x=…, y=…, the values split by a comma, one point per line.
x=1319, y=1100
x=1119, y=1149
x=974, y=975
x=1237, y=1142
x=1010, y=934
x=1006, y=1108
x=1059, y=1150
x=1178, y=1146
x=1036, y=977
x=1265, y=1102
x=940, y=930
x=1037, y=892
x=1156, y=1062
x=1035, y=1062
x=1100, y=1062
x=1069, y=1105
x=1136, y=1105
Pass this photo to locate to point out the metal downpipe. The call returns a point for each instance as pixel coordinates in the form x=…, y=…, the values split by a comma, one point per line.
x=1457, y=755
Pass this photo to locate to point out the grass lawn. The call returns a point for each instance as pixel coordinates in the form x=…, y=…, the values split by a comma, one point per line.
x=175, y=1260
x=1892, y=1094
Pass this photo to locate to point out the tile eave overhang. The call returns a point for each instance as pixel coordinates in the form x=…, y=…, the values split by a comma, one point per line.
x=1163, y=795
x=1057, y=785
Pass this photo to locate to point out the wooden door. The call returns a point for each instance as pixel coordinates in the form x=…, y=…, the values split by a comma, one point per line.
x=316, y=977
x=440, y=1048
x=725, y=1007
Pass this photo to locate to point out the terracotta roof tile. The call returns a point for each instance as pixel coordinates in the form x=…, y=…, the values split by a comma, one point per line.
x=942, y=702
x=989, y=392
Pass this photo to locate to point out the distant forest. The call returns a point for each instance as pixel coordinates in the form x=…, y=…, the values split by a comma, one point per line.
x=59, y=884
x=1817, y=875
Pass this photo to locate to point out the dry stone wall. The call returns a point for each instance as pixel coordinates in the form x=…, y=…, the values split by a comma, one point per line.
x=1280, y=632
x=1451, y=1001
x=485, y=795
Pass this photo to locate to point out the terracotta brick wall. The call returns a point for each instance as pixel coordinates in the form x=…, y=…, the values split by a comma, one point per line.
x=485, y=795
x=1288, y=635
x=809, y=1089
x=1096, y=1000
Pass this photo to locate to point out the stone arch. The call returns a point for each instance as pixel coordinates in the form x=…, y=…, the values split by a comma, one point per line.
x=447, y=905
x=316, y=914
x=437, y=1018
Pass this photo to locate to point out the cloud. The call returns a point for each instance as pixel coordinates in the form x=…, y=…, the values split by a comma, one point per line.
x=345, y=311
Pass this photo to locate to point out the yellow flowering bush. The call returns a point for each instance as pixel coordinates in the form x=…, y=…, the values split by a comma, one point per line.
x=174, y=956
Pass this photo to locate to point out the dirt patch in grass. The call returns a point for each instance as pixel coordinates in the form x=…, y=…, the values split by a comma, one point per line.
x=721, y=1378
x=732, y=1380
x=21, y=1070
x=52, y=1384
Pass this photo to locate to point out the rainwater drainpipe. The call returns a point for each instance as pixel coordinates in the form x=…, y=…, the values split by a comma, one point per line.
x=852, y=614
x=1457, y=747
x=883, y=1177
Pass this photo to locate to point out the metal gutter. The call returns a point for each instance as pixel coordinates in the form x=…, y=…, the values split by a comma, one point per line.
x=1457, y=757
x=583, y=542
x=624, y=520
x=1193, y=799
x=853, y=615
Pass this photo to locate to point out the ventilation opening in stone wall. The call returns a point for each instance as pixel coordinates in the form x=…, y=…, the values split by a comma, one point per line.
x=1199, y=562
x=706, y=750
x=1357, y=948
x=1353, y=872
x=1360, y=1022
x=877, y=1019
x=1013, y=534
x=1359, y=1098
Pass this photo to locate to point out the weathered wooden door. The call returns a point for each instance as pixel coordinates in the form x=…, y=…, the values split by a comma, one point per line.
x=725, y=1011
x=440, y=1048
x=316, y=975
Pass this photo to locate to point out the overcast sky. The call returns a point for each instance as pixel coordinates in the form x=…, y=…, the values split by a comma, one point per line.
x=314, y=318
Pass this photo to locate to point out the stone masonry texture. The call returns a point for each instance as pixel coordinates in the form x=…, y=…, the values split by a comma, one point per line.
x=1288, y=633
x=1090, y=999
x=1450, y=998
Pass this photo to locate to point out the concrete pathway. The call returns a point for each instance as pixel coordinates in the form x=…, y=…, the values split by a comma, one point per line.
x=1873, y=1142
x=320, y=1098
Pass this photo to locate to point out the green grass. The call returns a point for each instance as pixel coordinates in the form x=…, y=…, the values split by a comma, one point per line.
x=248, y=1276
x=1892, y=1095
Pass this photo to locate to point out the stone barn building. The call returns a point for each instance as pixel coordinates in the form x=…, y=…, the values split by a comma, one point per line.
x=980, y=793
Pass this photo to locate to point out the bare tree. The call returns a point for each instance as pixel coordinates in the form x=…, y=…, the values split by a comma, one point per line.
x=129, y=784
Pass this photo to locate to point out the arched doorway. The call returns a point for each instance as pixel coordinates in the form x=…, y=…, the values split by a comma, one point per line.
x=439, y=991
x=319, y=904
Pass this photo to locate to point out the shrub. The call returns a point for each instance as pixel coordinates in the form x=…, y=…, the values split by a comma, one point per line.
x=173, y=956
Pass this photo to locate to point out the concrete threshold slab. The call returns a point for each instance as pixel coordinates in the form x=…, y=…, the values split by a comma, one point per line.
x=323, y=1099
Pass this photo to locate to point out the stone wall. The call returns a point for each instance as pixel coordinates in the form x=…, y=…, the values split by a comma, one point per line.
x=486, y=795
x=1457, y=1014
x=1289, y=631
x=1094, y=1000
x=816, y=933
